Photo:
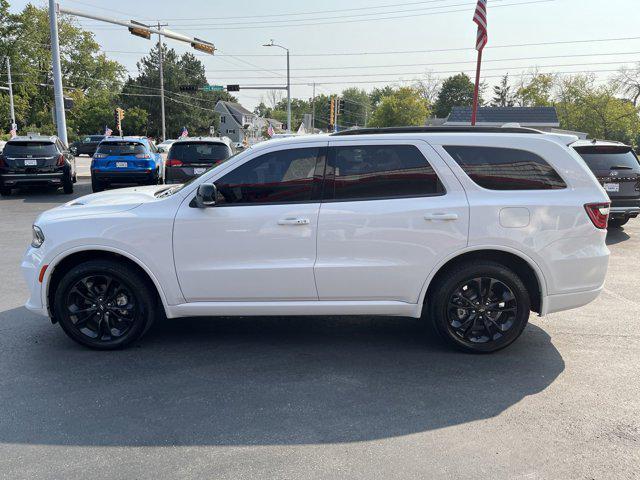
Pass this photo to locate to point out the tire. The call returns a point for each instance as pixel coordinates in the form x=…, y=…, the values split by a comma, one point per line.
x=67, y=184
x=463, y=318
x=5, y=191
x=96, y=186
x=124, y=309
x=617, y=222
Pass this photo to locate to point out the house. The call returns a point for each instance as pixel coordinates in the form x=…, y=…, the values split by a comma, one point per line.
x=238, y=123
x=541, y=118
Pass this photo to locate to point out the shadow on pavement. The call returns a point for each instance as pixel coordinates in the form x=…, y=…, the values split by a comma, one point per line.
x=255, y=381
x=616, y=236
x=48, y=194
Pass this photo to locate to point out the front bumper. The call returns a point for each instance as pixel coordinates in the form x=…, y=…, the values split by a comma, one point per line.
x=31, y=265
x=31, y=179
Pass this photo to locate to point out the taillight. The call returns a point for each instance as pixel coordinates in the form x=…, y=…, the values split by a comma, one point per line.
x=598, y=213
x=61, y=161
x=143, y=155
x=173, y=163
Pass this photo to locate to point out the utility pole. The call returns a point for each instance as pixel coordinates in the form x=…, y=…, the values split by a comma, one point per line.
x=313, y=109
x=61, y=121
x=164, y=127
x=11, y=110
x=272, y=44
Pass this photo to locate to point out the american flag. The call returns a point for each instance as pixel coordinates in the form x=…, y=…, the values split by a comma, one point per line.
x=13, y=132
x=270, y=131
x=480, y=17
x=107, y=131
x=185, y=132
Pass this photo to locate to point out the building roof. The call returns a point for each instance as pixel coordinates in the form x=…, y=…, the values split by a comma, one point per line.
x=496, y=116
x=236, y=110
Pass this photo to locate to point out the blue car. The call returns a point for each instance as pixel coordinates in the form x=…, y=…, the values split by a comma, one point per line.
x=126, y=161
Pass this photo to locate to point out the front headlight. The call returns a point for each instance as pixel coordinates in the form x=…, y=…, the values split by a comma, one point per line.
x=37, y=237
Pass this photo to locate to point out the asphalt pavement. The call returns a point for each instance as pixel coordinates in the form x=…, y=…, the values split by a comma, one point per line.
x=319, y=398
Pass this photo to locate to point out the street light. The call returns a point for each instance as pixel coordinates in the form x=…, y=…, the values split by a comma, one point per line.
x=272, y=44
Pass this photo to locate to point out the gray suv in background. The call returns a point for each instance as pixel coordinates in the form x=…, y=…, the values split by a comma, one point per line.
x=191, y=157
x=617, y=168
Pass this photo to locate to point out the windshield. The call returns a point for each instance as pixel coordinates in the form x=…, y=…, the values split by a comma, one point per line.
x=609, y=158
x=121, y=148
x=35, y=149
x=199, y=152
x=177, y=188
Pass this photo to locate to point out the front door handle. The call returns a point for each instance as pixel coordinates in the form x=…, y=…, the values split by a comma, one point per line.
x=441, y=217
x=294, y=221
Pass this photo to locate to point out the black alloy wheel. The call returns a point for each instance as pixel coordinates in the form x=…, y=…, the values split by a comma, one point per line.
x=480, y=307
x=104, y=305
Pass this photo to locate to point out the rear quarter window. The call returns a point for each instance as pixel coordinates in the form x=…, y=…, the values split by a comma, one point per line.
x=497, y=168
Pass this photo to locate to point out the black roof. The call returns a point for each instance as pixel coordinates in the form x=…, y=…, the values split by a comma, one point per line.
x=373, y=131
x=501, y=115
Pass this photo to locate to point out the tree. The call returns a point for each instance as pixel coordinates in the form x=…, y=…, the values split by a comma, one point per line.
x=356, y=107
x=298, y=108
x=404, y=107
x=502, y=95
x=535, y=90
x=456, y=91
x=377, y=94
x=628, y=81
x=428, y=87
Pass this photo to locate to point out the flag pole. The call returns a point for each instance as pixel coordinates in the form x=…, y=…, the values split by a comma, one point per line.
x=476, y=90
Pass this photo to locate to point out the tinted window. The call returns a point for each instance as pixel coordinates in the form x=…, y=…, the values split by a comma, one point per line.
x=121, y=148
x=280, y=177
x=199, y=152
x=380, y=171
x=506, y=168
x=35, y=149
x=609, y=158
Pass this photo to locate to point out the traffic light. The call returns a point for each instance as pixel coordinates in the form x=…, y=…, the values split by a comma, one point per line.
x=332, y=114
x=141, y=31
x=203, y=46
x=188, y=88
x=233, y=88
x=118, y=115
x=341, y=106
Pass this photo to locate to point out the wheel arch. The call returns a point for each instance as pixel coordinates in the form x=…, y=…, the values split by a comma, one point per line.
x=71, y=258
x=528, y=270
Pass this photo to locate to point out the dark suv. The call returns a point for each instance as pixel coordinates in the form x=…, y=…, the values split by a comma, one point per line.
x=88, y=145
x=36, y=161
x=617, y=168
x=191, y=157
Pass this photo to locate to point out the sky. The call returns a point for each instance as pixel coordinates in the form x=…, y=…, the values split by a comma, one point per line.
x=363, y=43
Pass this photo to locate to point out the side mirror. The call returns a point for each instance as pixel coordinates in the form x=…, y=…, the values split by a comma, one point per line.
x=206, y=195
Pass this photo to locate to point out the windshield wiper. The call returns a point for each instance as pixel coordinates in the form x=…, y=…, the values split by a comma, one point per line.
x=621, y=167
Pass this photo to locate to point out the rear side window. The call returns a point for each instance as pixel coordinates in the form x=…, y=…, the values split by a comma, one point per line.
x=379, y=171
x=506, y=168
x=121, y=148
x=609, y=158
x=199, y=152
x=35, y=149
x=286, y=176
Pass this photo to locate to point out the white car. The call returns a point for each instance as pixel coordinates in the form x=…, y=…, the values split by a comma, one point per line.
x=469, y=228
x=164, y=146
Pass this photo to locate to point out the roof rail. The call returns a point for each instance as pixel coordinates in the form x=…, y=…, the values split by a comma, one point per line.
x=373, y=131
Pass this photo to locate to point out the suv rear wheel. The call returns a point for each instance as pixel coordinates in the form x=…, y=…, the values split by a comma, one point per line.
x=480, y=307
x=104, y=305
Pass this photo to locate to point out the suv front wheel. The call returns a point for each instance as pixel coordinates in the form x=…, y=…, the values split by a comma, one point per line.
x=479, y=307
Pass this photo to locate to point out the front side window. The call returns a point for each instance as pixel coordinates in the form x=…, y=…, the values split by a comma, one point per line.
x=286, y=176
x=506, y=168
x=379, y=171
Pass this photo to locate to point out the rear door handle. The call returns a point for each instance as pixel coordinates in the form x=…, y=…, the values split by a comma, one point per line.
x=441, y=217
x=294, y=221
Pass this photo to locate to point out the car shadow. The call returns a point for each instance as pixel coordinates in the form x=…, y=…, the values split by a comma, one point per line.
x=255, y=381
x=616, y=236
x=48, y=194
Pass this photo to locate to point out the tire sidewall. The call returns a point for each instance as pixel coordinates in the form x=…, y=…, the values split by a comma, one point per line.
x=438, y=310
x=130, y=278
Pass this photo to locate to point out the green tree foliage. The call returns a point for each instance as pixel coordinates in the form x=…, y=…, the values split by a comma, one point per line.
x=357, y=107
x=502, y=94
x=456, y=91
x=404, y=107
x=377, y=94
x=536, y=91
x=194, y=110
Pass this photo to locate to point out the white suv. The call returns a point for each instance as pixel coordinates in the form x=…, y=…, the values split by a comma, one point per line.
x=469, y=228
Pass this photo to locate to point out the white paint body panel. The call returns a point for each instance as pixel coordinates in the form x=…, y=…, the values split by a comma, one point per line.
x=364, y=257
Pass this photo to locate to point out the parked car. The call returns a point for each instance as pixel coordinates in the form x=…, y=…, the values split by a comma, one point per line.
x=36, y=160
x=469, y=228
x=2, y=144
x=164, y=146
x=191, y=157
x=617, y=168
x=88, y=145
x=126, y=160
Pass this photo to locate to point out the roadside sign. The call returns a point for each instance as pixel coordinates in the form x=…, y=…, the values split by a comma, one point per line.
x=213, y=88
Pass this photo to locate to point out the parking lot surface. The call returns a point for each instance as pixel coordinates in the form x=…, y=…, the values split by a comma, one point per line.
x=306, y=398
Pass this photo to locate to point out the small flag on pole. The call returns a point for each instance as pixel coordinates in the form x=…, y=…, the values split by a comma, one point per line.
x=13, y=132
x=107, y=131
x=270, y=131
x=185, y=132
x=480, y=18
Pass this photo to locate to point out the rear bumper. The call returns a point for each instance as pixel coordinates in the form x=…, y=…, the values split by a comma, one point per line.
x=569, y=301
x=29, y=179
x=123, y=176
x=626, y=208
